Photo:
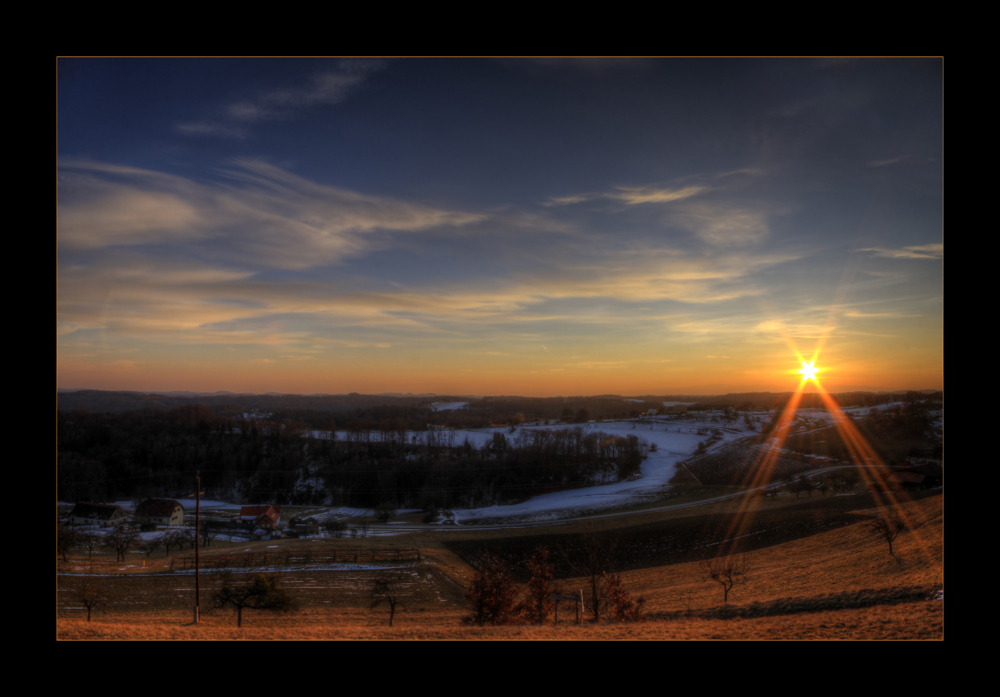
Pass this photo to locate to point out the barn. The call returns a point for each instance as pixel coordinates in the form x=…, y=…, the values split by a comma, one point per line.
x=160, y=512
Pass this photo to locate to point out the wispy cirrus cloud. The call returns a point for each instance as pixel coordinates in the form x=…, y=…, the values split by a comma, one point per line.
x=923, y=251
x=723, y=225
x=264, y=256
x=126, y=293
x=648, y=194
x=326, y=88
x=212, y=128
x=264, y=216
x=632, y=195
x=854, y=314
x=886, y=163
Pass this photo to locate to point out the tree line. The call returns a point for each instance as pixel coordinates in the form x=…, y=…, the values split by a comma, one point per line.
x=106, y=457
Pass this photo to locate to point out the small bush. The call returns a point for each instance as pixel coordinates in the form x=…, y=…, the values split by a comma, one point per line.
x=335, y=527
x=622, y=607
x=493, y=593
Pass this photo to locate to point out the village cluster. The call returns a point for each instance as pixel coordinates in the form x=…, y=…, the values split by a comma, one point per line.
x=260, y=520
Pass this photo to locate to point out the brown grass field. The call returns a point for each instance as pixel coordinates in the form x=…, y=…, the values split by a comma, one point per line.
x=839, y=584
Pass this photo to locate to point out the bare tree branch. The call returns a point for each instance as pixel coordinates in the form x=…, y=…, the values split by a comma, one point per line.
x=887, y=526
x=728, y=572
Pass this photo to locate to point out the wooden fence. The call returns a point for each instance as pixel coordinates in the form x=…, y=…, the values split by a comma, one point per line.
x=272, y=558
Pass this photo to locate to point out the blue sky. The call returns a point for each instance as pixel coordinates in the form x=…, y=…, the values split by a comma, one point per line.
x=488, y=226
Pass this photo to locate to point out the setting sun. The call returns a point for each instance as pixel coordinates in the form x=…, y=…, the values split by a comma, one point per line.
x=808, y=371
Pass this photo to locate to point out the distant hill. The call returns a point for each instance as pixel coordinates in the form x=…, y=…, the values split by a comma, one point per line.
x=115, y=402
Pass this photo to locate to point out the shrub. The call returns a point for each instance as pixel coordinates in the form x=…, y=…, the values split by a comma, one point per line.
x=335, y=527
x=493, y=593
x=622, y=607
x=537, y=606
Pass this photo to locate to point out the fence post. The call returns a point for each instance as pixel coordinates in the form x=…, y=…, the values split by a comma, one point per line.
x=579, y=607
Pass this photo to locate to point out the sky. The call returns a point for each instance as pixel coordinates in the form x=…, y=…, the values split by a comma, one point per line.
x=491, y=226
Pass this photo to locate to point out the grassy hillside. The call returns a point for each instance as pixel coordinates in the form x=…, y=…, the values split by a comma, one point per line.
x=836, y=584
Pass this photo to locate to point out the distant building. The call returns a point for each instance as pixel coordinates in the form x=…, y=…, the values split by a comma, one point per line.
x=922, y=476
x=102, y=514
x=651, y=412
x=906, y=480
x=160, y=512
x=260, y=516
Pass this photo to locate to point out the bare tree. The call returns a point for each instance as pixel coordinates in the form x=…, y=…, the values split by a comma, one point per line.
x=845, y=480
x=167, y=540
x=209, y=531
x=122, y=539
x=66, y=539
x=887, y=526
x=259, y=592
x=183, y=536
x=362, y=528
x=385, y=511
x=386, y=588
x=801, y=485
x=150, y=544
x=595, y=558
x=90, y=541
x=91, y=593
x=728, y=572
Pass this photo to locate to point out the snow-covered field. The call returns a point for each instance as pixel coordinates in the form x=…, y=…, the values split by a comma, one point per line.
x=675, y=440
x=186, y=504
x=448, y=406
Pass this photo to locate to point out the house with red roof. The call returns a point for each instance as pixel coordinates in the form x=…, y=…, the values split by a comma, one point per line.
x=260, y=516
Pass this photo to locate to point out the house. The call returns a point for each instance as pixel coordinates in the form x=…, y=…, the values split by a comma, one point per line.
x=921, y=476
x=160, y=512
x=302, y=521
x=906, y=480
x=299, y=527
x=651, y=412
x=260, y=516
x=102, y=514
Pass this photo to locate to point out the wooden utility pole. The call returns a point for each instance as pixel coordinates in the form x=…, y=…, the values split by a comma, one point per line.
x=197, y=530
